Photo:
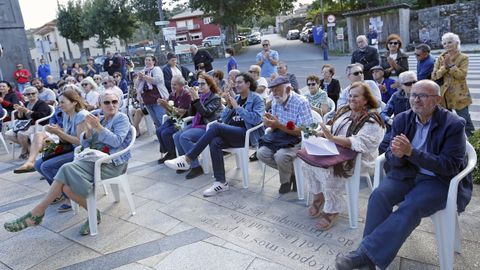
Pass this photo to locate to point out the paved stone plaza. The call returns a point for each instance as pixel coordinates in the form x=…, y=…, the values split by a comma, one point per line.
x=175, y=227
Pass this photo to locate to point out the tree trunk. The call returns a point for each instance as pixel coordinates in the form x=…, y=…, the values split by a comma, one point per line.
x=70, y=54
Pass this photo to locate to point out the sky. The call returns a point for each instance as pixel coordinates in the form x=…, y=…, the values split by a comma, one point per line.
x=38, y=12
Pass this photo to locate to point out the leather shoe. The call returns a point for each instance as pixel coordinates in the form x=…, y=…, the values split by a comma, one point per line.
x=285, y=188
x=166, y=157
x=24, y=170
x=194, y=172
x=253, y=157
x=354, y=260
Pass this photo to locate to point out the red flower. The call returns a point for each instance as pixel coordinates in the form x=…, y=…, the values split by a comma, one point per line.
x=106, y=149
x=58, y=149
x=290, y=125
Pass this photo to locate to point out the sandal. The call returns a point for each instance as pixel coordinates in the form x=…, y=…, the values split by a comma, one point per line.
x=21, y=222
x=85, y=229
x=317, y=208
x=326, y=221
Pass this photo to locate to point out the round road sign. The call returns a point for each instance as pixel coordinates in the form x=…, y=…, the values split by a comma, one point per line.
x=331, y=18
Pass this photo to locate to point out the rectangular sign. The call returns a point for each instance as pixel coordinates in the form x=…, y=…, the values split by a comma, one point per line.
x=160, y=23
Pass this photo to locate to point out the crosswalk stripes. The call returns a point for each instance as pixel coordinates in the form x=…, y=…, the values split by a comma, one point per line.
x=473, y=82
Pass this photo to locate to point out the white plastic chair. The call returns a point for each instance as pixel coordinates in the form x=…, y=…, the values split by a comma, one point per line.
x=445, y=222
x=241, y=154
x=1, y=134
x=121, y=180
x=38, y=127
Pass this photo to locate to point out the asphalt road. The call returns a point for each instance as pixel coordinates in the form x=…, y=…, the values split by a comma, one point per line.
x=303, y=59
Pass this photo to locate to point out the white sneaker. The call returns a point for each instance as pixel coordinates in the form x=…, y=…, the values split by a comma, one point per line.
x=179, y=163
x=217, y=187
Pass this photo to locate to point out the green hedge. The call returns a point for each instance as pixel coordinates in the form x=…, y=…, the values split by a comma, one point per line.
x=475, y=141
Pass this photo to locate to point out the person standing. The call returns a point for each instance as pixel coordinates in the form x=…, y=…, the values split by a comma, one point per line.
x=394, y=61
x=171, y=69
x=91, y=69
x=267, y=60
x=43, y=70
x=365, y=55
x=201, y=59
x=425, y=62
x=329, y=84
x=232, y=63
x=450, y=71
x=22, y=77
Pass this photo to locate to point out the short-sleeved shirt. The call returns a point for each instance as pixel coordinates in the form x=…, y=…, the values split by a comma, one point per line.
x=47, y=95
x=92, y=98
x=317, y=100
x=70, y=123
x=182, y=101
x=267, y=68
x=296, y=109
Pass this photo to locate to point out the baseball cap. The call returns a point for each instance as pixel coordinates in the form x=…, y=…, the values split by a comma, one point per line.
x=377, y=68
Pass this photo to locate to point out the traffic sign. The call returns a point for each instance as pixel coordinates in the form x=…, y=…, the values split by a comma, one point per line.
x=331, y=18
x=340, y=36
x=169, y=33
x=161, y=23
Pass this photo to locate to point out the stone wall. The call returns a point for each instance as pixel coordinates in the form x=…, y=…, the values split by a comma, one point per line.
x=462, y=19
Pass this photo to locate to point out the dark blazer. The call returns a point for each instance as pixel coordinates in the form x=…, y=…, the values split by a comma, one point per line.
x=167, y=75
x=333, y=90
x=40, y=110
x=64, y=74
x=210, y=110
x=368, y=58
x=445, y=155
x=202, y=56
x=402, y=61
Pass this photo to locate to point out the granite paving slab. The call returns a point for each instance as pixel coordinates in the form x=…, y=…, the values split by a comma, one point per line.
x=36, y=244
x=149, y=217
x=204, y=255
x=164, y=192
x=70, y=255
x=11, y=192
x=261, y=264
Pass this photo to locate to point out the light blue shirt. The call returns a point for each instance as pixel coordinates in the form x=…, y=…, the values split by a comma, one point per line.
x=296, y=109
x=267, y=68
x=419, y=141
x=70, y=123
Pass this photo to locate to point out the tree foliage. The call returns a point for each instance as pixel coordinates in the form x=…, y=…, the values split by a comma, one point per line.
x=70, y=23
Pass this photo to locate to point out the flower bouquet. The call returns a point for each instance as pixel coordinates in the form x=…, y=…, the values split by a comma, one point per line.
x=52, y=149
x=172, y=114
x=311, y=130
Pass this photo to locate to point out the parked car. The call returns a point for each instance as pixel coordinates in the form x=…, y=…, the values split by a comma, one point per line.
x=293, y=34
x=240, y=38
x=99, y=60
x=255, y=38
x=306, y=35
x=212, y=41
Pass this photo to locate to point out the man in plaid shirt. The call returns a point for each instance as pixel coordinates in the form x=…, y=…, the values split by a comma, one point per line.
x=279, y=147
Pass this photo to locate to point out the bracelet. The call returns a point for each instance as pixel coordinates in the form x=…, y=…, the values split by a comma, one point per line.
x=450, y=66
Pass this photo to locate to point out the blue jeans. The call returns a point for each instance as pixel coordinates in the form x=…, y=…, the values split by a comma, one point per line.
x=49, y=168
x=156, y=112
x=218, y=136
x=469, y=128
x=21, y=87
x=386, y=231
x=186, y=139
x=165, y=137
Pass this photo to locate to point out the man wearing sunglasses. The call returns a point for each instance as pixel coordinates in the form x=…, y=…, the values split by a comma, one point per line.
x=267, y=59
x=425, y=62
x=398, y=103
x=355, y=74
x=427, y=150
x=44, y=93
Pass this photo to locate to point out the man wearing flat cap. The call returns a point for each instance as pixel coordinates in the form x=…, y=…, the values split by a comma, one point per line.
x=384, y=84
x=279, y=147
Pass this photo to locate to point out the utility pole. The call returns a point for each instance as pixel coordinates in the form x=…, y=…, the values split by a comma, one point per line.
x=160, y=13
x=323, y=16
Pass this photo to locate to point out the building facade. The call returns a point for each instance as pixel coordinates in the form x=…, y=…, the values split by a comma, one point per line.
x=193, y=26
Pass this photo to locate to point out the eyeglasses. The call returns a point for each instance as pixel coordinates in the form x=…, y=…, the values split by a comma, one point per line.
x=265, y=45
x=417, y=54
x=30, y=94
x=421, y=96
x=356, y=73
x=104, y=83
x=311, y=84
x=202, y=83
x=252, y=71
x=409, y=83
x=108, y=102
x=84, y=84
x=393, y=43
x=117, y=76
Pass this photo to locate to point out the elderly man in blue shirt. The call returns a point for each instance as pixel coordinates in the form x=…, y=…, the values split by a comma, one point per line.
x=279, y=147
x=427, y=150
x=425, y=62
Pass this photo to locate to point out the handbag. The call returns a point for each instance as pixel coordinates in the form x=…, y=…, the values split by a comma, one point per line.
x=345, y=154
x=56, y=149
x=21, y=125
x=89, y=154
x=150, y=96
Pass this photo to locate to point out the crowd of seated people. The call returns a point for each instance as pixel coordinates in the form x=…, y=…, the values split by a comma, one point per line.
x=215, y=112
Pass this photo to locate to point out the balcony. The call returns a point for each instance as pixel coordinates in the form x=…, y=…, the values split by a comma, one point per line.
x=188, y=28
x=53, y=46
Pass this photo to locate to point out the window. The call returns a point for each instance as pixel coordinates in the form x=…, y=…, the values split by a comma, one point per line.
x=196, y=36
x=181, y=24
x=207, y=20
x=181, y=38
x=190, y=24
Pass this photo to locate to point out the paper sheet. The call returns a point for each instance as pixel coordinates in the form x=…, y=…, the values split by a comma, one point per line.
x=318, y=146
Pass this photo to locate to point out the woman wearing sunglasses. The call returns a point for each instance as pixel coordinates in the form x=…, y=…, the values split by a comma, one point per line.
x=206, y=107
x=394, y=61
x=90, y=94
x=110, y=132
